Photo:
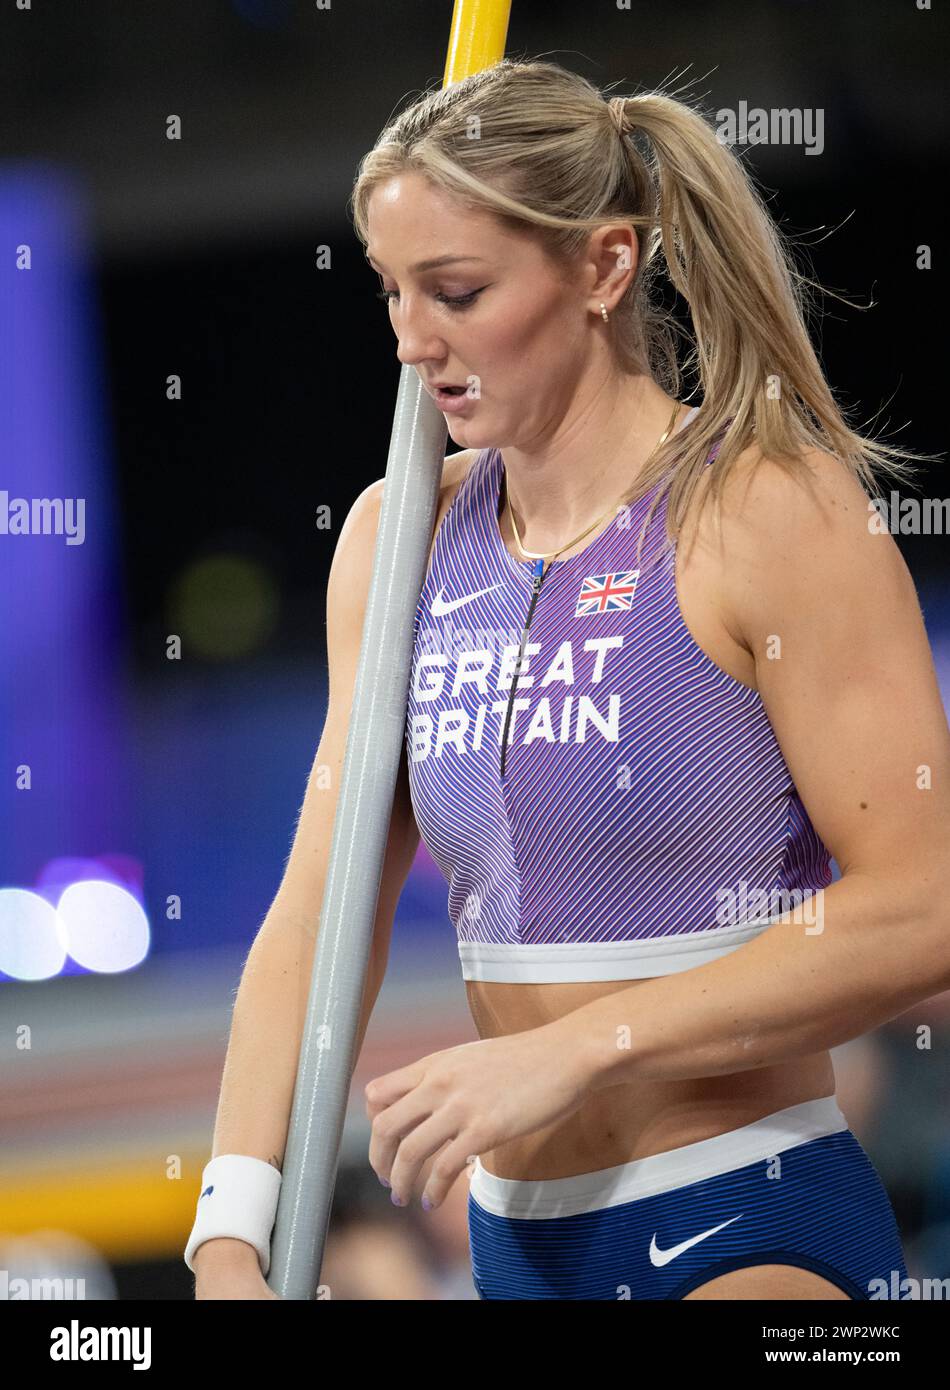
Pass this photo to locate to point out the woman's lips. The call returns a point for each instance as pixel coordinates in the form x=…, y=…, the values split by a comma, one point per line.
x=451, y=402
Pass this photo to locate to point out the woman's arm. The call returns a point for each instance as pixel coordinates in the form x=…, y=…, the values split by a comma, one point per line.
x=828, y=610
x=267, y=1024
x=782, y=995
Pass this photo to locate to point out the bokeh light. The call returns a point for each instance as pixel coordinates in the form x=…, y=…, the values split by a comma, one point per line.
x=223, y=606
x=32, y=939
x=106, y=928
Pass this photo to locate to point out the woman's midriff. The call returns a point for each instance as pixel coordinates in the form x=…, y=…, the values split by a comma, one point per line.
x=635, y=1119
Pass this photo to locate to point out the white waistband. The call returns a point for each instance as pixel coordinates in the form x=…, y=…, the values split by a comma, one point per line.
x=645, y=1177
x=565, y=962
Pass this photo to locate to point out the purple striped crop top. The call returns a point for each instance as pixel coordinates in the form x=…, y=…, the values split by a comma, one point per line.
x=639, y=818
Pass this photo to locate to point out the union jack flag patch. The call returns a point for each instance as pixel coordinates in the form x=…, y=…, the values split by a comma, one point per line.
x=606, y=593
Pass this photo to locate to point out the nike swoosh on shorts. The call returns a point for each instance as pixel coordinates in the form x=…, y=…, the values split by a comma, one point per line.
x=662, y=1257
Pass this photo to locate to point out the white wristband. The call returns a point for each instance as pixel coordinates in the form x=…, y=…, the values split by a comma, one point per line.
x=238, y=1199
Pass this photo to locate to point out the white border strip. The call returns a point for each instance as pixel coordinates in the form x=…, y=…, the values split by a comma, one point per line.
x=646, y=1177
x=565, y=962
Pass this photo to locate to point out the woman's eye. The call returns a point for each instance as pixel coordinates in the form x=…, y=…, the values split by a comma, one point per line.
x=459, y=301
x=454, y=302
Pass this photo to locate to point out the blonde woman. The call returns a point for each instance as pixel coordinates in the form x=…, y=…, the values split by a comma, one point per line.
x=664, y=670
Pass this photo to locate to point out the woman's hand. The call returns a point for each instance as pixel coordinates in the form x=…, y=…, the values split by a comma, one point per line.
x=465, y=1101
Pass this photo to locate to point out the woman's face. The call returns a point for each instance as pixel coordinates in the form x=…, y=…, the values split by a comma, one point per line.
x=497, y=316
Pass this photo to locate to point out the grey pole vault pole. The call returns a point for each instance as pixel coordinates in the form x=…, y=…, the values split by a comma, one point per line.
x=370, y=768
x=360, y=833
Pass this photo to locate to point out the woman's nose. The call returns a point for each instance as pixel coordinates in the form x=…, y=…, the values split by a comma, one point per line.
x=416, y=340
x=413, y=350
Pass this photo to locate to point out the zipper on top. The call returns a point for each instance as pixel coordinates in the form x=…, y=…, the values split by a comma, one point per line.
x=540, y=574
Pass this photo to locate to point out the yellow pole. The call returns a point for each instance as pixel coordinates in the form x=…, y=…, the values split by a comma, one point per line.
x=477, y=38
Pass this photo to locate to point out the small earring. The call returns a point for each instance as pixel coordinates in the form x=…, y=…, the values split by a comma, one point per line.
x=604, y=314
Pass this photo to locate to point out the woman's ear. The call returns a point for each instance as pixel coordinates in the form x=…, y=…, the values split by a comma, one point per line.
x=612, y=258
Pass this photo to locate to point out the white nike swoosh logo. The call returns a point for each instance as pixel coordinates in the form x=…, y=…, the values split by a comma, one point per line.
x=662, y=1257
x=439, y=605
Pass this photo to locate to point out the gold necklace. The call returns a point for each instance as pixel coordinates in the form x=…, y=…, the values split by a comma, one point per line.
x=550, y=554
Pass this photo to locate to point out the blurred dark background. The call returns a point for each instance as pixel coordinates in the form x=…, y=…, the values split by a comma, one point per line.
x=177, y=782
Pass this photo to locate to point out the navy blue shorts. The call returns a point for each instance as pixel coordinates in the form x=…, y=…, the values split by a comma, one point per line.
x=794, y=1188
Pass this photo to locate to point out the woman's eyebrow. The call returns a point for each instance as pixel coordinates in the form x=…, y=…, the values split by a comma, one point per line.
x=427, y=265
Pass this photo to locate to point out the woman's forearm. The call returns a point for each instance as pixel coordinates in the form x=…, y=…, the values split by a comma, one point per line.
x=260, y=1067
x=790, y=992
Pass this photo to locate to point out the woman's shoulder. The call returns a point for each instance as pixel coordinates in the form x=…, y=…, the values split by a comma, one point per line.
x=795, y=533
x=365, y=509
x=763, y=496
x=456, y=468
